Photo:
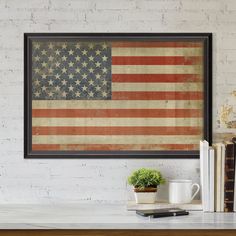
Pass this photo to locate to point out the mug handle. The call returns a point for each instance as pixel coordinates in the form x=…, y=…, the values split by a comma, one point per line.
x=198, y=188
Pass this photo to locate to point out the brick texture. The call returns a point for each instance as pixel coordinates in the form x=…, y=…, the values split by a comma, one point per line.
x=100, y=180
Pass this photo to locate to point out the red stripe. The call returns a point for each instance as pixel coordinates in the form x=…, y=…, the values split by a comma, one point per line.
x=150, y=44
x=155, y=78
x=116, y=130
x=174, y=60
x=112, y=147
x=117, y=113
x=157, y=95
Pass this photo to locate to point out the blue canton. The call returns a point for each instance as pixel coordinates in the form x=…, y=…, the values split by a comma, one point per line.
x=71, y=70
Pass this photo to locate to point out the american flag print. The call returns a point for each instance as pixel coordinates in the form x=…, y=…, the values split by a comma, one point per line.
x=116, y=95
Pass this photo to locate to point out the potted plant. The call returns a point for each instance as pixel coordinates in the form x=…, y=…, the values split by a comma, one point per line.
x=145, y=182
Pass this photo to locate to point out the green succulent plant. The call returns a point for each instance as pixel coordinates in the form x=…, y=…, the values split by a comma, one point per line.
x=143, y=178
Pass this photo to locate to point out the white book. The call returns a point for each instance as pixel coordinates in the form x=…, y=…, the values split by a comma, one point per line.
x=211, y=179
x=204, y=173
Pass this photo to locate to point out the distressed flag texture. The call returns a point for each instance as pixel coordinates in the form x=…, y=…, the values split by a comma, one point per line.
x=116, y=95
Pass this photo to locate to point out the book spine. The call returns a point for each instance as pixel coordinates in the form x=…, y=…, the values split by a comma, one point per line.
x=222, y=177
x=234, y=141
x=218, y=177
x=229, y=178
x=204, y=160
x=211, y=179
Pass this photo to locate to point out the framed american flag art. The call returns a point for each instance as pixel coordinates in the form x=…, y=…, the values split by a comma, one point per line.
x=117, y=95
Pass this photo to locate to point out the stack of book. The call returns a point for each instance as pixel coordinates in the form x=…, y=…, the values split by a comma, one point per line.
x=218, y=179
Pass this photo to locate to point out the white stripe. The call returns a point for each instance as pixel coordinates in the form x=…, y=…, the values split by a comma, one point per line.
x=182, y=87
x=157, y=69
x=157, y=51
x=84, y=122
x=115, y=139
x=114, y=104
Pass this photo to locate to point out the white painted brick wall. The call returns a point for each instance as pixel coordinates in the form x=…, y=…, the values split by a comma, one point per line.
x=101, y=180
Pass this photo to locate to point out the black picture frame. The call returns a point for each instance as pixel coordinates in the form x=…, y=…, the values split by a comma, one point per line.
x=207, y=119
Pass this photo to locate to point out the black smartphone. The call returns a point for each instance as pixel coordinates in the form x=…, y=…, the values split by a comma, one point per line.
x=155, y=213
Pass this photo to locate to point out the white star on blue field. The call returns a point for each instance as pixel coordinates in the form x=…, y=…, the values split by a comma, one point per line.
x=71, y=70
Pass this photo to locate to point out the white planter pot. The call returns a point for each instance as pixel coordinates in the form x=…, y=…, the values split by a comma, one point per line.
x=145, y=197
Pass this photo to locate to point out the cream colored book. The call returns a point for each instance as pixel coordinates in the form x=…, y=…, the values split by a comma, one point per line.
x=218, y=175
x=211, y=179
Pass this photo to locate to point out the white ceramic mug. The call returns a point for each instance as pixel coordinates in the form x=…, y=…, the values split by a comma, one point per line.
x=181, y=191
